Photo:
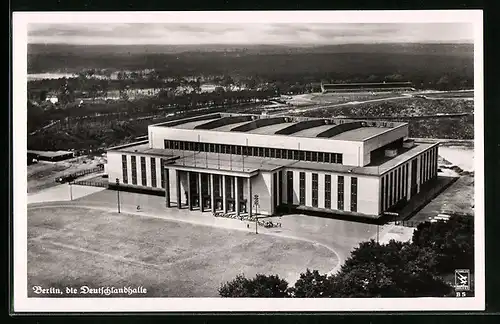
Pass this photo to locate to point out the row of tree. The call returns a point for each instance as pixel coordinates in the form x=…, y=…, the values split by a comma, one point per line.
x=395, y=269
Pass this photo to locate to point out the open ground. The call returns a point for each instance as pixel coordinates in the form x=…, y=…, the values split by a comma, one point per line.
x=177, y=253
x=78, y=246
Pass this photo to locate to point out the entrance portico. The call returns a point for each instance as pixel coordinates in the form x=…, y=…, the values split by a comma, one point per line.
x=209, y=190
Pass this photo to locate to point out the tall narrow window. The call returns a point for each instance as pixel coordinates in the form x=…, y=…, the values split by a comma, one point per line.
x=406, y=179
x=143, y=171
x=328, y=191
x=302, y=188
x=124, y=169
x=153, y=172
x=134, y=169
x=275, y=189
x=382, y=194
x=162, y=174
x=289, y=187
x=340, y=193
x=391, y=188
x=280, y=180
x=386, y=192
x=315, y=190
x=354, y=194
x=398, y=188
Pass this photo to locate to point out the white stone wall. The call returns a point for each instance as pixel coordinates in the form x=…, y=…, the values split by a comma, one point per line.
x=262, y=186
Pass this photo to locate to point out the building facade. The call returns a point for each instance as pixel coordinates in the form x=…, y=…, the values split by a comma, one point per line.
x=247, y=164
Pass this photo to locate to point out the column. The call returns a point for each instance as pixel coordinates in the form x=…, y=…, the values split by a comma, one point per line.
x=167, y=187
x=224, y=199
x=178, y=188
x=236, y=196
x=189, y=201
x=212, y=196
x=200, y=193
x=249, y=198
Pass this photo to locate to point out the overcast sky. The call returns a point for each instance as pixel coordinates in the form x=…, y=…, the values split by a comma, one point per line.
x=97, y=33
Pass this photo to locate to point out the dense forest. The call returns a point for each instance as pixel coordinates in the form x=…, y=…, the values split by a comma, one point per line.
x=425, y=65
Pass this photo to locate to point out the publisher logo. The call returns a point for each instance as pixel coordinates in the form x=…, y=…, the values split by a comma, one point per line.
x=462, y=279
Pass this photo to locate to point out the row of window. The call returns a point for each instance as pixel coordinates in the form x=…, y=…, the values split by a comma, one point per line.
x=314, y=191
x=133, y=160
x=394, y=185
x=429, y=164
x=299, y=155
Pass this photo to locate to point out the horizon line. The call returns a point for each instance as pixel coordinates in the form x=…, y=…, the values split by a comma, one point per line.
x=258, y=44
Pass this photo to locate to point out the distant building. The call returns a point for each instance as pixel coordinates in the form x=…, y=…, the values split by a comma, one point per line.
x=52, y=99
x=208, y=87
x=51, y=156
x=251, y=163
x=367, y=87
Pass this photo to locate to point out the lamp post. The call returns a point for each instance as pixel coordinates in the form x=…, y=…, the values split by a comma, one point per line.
x=70, y=191
x=118, y=193
x=256, y=204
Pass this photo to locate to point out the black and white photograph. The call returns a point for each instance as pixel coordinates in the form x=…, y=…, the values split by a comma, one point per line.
x=248, y=161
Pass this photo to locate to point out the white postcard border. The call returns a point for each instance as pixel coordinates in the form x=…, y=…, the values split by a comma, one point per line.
x=41, y=305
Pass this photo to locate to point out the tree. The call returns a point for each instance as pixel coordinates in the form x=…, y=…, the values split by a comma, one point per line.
x=451, y=241
x=396, y=269
x=312, y=284
x=260, y=286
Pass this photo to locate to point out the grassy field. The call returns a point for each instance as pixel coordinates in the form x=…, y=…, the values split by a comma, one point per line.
x=71, y=247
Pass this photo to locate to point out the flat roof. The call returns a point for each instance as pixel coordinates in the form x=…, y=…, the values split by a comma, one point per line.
x=300, y=126
x=193, y=124
x=313, y=131
x=143, y=149
x=404, y=154
x=226, y=162
x=227, y=128
x=269, y=130
x=359, y=134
